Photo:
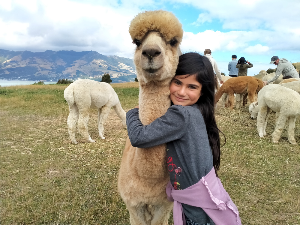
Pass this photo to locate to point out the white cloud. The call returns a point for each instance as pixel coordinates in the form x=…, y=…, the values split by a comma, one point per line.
x=254, y=27
x=257, y=49
x=202, y=18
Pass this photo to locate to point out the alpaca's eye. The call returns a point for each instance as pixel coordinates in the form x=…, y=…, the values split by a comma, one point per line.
x=137, y=42
x=173, y=42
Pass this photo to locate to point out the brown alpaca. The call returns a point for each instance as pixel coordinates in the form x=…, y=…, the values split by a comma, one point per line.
x=240, y=85
x=143, y=174
x=289, y=80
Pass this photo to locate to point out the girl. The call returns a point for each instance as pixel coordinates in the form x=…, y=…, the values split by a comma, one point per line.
x=193, y=145
x=243, y=66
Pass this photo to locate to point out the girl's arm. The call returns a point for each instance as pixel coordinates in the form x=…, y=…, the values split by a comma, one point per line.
x=169, y=127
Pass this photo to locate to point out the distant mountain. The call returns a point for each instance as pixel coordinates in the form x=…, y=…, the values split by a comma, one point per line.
x=55, y=65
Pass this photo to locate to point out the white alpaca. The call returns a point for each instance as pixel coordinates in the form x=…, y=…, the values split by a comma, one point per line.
x=294, y=85
x=83, y=94
x=269, y=76
x=143, y=174
x=285, y=102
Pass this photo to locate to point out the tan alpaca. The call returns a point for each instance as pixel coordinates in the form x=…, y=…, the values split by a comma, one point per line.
x=289, y=80
x=240, y=85
x=143, y=173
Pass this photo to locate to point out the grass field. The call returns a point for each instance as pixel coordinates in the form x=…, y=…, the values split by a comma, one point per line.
x=44, y=179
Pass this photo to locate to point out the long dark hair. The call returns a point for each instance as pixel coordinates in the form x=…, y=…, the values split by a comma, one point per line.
x=196, y=64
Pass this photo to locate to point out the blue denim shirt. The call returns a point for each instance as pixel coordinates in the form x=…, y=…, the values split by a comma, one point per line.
x=232, y=67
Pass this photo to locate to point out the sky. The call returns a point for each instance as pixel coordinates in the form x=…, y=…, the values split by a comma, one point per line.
x=254, y=29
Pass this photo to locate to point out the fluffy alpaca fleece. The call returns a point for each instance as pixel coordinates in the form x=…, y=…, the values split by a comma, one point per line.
x=225, y=78
x=85, y=93
x=269, y=76
x=294, y=85
x=289, y=80
x=143, y=174
x=239, y=85
x=285, y=102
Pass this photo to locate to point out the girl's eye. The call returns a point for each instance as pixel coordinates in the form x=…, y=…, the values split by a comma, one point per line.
x=193, y=87
x=177, y=82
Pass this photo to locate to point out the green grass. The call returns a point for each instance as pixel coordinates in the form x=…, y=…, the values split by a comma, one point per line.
x=47, y=180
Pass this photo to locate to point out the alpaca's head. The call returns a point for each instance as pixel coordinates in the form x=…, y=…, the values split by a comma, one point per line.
x=260, y=85
x=253, y=109
x=157, y=35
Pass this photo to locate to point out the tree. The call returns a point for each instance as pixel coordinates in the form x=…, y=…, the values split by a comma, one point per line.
x=106, y=78
x=223, y=74
x=136, y=80
x=64, y=81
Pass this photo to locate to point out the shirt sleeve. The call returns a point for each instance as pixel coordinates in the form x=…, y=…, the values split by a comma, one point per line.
x=229, y=66
x=277, y=74
x=238, y=65
x=250, y=65
x=166, y=128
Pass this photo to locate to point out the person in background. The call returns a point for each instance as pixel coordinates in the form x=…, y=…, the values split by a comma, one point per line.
x=233, y=71
x=243, y=66
x=207, y=53
x=284, y=67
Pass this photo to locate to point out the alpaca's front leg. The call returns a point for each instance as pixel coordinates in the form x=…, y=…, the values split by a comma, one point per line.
x=121, y=113
x=145, y=214
x=261, y=120
x=279, y=128
x=238, y=98
x=266, y=121
x=291, y=130
x=71, y=122
x=102, y=116
x=224, y=100
x=231, y=100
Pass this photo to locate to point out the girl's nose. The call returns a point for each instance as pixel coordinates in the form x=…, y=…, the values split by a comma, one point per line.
x=181, y=91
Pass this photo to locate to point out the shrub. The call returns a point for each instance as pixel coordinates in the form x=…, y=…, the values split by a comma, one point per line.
x=136, y=80
x=39, y=83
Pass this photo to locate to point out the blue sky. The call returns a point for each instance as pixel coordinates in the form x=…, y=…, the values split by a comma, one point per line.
x=254, y=29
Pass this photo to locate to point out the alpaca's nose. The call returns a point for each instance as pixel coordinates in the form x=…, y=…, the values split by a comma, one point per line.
x=152, y=52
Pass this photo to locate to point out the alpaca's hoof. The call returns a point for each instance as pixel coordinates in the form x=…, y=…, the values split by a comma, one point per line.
x=75, y=142
x=261, y=135
x=91, y=140
x=102, y=137
x=293, y=142
x=275, y=142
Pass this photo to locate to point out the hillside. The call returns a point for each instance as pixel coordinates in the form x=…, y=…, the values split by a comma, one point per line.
x=55, y=65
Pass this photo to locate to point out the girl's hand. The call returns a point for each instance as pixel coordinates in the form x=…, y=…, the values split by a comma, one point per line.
x=136, y=107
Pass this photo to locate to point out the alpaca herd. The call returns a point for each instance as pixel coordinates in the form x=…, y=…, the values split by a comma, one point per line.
x=143, y=175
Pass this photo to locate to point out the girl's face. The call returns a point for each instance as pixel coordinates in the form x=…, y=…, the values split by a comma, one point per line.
x=185, y=90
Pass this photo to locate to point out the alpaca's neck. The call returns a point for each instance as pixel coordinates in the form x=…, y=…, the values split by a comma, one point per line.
x=154, y=100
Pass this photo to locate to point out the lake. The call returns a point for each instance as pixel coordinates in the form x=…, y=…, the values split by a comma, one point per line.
x=5, y=83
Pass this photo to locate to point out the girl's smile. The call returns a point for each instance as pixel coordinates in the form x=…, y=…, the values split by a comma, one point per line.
x=185, y=90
